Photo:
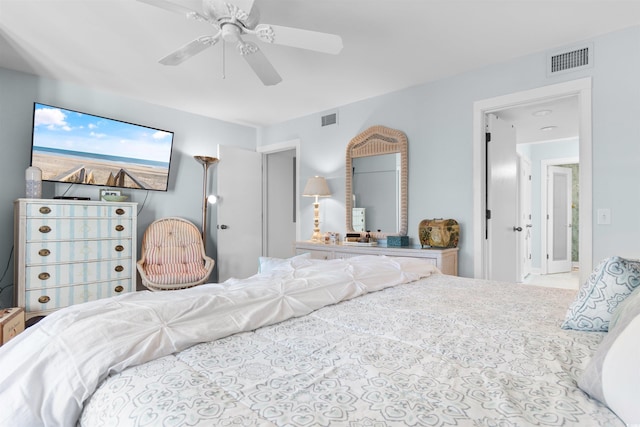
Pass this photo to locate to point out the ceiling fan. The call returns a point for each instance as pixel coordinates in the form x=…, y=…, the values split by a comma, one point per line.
x=234, y=18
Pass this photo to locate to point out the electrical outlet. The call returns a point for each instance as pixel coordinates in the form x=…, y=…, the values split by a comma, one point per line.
x=604, y=216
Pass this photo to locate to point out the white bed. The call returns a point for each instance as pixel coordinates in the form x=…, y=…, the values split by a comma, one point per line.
x=406, y=346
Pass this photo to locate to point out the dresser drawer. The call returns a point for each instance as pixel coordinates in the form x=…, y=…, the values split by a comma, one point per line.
x=40, y=229
x=78, y=250
x=48, y=210
x=42, y=276
x=48, y=299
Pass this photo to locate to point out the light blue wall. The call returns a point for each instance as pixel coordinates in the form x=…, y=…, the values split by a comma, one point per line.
x=437, y=118
x=193, y=135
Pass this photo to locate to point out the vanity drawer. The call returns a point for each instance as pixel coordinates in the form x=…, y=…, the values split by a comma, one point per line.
x=78, y=250
x=43, y=276
x=49, y=210
x=64, y=229
x=49, y=299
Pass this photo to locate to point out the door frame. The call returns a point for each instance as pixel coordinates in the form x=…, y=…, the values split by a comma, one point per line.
x=581, y=88
x=293, y=144
x=524, y=207
x=544, y=183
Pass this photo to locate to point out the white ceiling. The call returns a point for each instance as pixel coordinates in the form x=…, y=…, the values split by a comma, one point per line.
x=114, y=45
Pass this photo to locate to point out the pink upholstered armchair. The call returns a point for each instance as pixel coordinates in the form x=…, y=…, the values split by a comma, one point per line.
x=173, y=255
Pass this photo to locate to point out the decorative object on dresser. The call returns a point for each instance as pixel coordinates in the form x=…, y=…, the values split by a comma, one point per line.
x=446, y=260
x=382, y=154
x=70, y=251
x=12, y=323
x=316, y=187
x=173, y=256
x=205, y=161
x=111, y=195
x=33, y=183
x=397, y=241
x=439, y=233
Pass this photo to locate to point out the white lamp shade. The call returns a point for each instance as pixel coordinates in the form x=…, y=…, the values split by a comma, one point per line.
x=316, y=187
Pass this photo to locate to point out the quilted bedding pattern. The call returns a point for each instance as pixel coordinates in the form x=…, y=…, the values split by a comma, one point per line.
x=437, y=352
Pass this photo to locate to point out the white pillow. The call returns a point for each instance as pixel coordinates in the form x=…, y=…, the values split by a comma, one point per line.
x=613, y=374
x=268, y=264
x=608, y=285
x=629, y=304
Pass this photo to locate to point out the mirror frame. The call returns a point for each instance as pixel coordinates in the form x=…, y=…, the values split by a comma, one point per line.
x=375, y=141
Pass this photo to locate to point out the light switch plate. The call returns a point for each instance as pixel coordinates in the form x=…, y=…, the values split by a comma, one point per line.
x=604, y=216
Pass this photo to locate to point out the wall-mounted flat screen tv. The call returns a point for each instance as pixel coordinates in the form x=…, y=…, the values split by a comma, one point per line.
x=74, y=147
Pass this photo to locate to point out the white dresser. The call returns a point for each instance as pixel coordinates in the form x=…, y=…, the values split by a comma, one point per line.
x=69, y=251
x=445, y=259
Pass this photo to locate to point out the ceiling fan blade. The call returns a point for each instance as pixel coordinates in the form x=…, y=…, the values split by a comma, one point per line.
x=259, y=63
x=295, y=37
x=182, y=10
x=170, y=6
x=189, y=50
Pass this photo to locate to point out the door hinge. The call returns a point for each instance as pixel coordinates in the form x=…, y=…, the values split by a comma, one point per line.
x=488, y=214
x=547, y=256
x=487, y=136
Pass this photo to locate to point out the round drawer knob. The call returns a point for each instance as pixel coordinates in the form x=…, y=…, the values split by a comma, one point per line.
x=119, y=227
x=44, y=276
x=119, y=268
x=119, y=211
x=44, y=299
x=45, y=210
x=119, y=288
x=119, y=248
x=44, y=252
x=44, y=229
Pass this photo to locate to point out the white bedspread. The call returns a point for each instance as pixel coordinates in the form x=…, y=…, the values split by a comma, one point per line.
x=441, y=351
x=52, y=368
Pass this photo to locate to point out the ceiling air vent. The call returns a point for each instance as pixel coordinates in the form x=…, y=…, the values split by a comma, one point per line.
x=569, y=60
x=330, y=119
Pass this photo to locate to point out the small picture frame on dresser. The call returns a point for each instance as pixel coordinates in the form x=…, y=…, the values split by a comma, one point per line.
x=109, y=192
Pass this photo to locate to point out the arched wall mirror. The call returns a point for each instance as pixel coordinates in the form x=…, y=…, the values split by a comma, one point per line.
x=376, y=182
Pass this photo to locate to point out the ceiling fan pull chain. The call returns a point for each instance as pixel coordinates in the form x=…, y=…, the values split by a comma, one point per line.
x=223, y=61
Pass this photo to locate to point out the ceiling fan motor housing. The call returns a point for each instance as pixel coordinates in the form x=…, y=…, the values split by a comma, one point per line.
x=222, y=12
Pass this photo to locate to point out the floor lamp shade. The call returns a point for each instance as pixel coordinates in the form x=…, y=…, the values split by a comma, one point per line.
x=316, y=187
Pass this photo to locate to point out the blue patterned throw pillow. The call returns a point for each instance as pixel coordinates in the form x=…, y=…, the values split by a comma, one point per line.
x=608, y=285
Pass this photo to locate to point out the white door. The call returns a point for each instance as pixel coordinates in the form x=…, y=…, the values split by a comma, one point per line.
x=559, y=219
x=502, y=201
x=524, y=217
x=239, y=212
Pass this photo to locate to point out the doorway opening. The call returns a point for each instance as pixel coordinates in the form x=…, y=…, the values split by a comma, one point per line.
x=581, y=91
x=280, y=203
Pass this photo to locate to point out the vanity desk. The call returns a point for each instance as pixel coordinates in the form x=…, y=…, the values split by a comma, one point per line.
x=446, y=260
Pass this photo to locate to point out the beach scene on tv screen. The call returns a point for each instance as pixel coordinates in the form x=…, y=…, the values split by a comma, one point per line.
x=74, y=147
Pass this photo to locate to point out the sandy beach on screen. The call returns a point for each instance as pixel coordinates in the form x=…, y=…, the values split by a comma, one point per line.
x=54, y=166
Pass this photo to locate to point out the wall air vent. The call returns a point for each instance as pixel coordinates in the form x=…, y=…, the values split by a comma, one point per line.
x=569, y=60
x=330, y=119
